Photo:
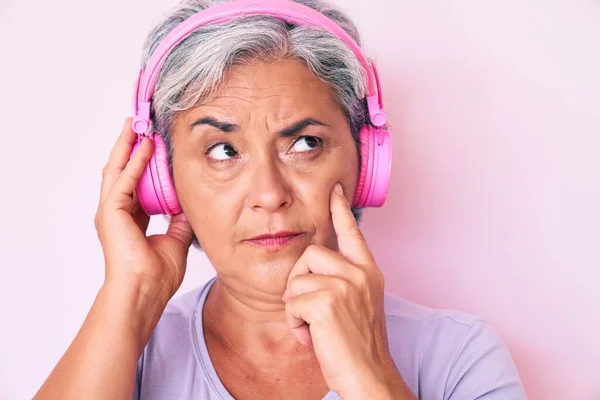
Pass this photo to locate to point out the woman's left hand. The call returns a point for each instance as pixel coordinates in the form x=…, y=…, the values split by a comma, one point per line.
x=335, y=301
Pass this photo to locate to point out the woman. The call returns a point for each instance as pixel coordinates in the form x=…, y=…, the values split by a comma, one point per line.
x=261, y=120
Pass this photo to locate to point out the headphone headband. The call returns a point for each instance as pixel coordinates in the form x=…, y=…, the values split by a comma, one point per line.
x=286, y=10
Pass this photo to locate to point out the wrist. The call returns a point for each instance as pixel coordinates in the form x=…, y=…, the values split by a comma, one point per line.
x=137, y=306
x=144, y=292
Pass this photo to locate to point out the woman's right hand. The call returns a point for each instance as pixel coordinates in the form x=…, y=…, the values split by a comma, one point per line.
x=155, y=265
x=142, y=274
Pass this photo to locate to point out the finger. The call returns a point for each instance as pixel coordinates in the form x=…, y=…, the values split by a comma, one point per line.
x=139, y=215
x=307, y=283
x=125, y=185
x=180, y=228
x=119, y=156
x=351, y=241
x=303, y=311
x=321, y=260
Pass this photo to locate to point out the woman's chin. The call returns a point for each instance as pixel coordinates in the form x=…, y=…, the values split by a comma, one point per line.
x=270, y=276
x=266, y=267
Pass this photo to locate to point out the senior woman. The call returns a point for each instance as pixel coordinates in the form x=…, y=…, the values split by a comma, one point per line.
x=261, y=120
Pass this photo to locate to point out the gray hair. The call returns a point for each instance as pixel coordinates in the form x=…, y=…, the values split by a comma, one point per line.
x=195, y=68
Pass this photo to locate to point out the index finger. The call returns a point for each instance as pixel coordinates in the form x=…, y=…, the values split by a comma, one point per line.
x=119, y=156
x=351, y=241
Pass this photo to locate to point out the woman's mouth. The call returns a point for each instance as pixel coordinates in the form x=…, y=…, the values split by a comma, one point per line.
x=274, y=241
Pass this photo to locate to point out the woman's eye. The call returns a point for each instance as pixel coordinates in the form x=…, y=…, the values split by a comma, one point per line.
x=306, y=143
x=222, y=151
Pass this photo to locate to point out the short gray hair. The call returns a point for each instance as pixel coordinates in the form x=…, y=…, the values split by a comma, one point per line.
x=195, y=68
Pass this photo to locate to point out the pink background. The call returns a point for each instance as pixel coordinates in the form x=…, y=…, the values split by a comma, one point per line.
x=494, y=204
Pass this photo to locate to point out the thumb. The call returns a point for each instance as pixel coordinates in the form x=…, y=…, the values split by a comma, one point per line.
x=180, y=229
x=302, y=334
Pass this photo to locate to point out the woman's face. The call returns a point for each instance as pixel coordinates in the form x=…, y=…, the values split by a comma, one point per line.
x=260, y=158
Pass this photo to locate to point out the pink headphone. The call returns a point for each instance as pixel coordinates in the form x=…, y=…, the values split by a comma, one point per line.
x=155, y=189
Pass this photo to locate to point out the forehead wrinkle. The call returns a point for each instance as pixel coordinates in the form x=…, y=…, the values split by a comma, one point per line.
x=273, y=87
x=228, y=97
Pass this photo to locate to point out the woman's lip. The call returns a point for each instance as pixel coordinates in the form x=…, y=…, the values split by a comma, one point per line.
x=274, y=242
x=275, y=235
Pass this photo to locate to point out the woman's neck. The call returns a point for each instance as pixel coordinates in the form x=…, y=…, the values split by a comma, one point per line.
x=253, y=328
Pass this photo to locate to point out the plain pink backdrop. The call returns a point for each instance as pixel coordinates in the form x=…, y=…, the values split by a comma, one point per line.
x=494, y=204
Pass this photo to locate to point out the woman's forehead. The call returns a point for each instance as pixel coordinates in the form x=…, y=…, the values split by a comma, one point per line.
x=259, y=79
x=287, y=88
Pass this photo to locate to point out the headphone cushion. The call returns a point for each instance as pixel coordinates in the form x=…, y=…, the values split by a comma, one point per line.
x=161, y=177
x=381, y=163
x=154, y=189
x=364, y=177
x=374, y=178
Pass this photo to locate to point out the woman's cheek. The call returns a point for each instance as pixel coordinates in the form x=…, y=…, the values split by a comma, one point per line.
x=318, y=209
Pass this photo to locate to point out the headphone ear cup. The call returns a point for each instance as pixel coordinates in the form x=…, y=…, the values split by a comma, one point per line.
x=374, y=178
x=155, y=190
x=162, y=179
x=361, y=192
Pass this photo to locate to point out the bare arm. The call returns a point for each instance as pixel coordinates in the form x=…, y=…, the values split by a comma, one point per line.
x=101, y=361
x=142, y=274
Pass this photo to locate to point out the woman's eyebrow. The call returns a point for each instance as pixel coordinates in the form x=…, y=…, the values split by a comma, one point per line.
x=224, y=126
x=300, y=126
x=286, y=132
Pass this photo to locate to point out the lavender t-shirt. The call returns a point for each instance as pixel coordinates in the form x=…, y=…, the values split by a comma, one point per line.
x=441, y=354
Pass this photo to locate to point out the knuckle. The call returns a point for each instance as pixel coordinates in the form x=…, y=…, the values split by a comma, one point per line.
x=343, y=288
x=328, y=303
x=98, y=218
x=138, y=158
x=294, y=284
x=109, y=171
x=312, y=250
x=289, y=306
x=139, y=163
x=129, y=180
x=134, y=162
x=362, y=278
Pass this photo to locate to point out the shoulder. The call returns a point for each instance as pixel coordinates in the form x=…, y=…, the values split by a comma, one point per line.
x=174, y=326
x=179, y=314
x=414, y=322
x=444, y=353
x=168, y=366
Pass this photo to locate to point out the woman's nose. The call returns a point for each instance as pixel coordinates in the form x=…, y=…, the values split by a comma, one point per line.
x=269, y=188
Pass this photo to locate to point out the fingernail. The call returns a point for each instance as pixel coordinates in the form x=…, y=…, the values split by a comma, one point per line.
x=286, y=295
x=338, y=189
